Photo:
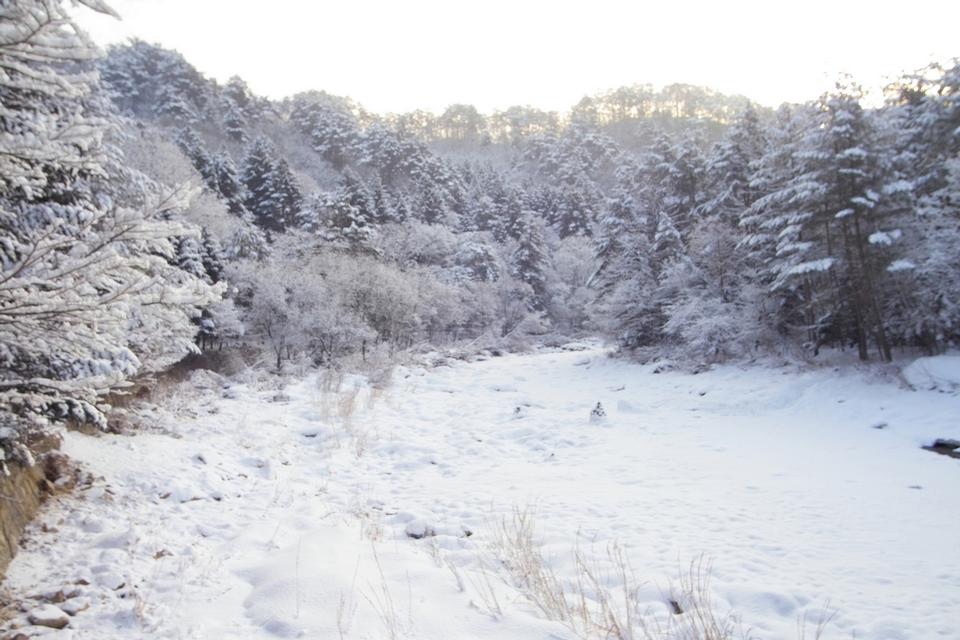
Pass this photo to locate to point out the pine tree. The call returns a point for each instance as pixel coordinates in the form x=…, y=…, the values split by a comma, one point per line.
x=149, y=81
x=620, y=218
x=625, y=281
x=331, y=128
x=272, y=194
x=530, y=257
x=824, y=254
x=287, y=198
x=432, y=207
x=193, y=147
x=668, y=246
x=382, y=204
x=228, y=183
x=212, y=258
x=350, y=223
x=729, y=168
x=238, y=93
x=189, y=256
x=922, y=187
x=575, y=211
x=508, y=214
x=234, y=123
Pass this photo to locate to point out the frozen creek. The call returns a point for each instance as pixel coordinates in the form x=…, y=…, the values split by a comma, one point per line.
x=261, y=516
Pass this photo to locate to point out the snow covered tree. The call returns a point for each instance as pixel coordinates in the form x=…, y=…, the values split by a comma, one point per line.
x=329, y=125
x=238, y=93
x=149, y=81
x=272, y=194
x=193, y=147
x=828, y=254
x=89, y=294
x=620, y=219
x=234, y=123
x=728, y=170
x=922, y=191
x=228, y=183
x=529, y=260
x=477, y=261
x=351, y=214
x=576, y=210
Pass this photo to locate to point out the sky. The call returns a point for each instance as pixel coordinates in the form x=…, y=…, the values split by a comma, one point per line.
x=404, y=55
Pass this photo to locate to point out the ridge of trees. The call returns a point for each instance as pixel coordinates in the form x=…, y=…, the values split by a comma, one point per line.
x=677, y=222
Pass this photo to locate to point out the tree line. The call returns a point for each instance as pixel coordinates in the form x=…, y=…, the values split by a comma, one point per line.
x=676, y=222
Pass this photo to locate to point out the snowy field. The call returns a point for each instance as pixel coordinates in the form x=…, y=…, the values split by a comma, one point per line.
x=289, y=515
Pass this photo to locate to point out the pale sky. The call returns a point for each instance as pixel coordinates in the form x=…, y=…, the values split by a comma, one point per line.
x=402, y=55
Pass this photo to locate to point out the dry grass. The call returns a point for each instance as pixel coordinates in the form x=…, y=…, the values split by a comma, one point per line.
x=819, y=625
x=394, y=623
x=339, y=401
x=602, y=600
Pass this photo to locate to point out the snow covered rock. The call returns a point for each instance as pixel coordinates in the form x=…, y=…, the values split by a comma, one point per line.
x=73, y=606
x=111, y=580
x=47, y=615
x=206, y=380
x=940, y=373
x=418, y=529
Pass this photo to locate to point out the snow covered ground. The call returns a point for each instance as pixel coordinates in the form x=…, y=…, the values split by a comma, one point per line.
x=288, y=515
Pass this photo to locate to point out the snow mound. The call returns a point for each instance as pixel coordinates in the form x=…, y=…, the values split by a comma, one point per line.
x=936, y=373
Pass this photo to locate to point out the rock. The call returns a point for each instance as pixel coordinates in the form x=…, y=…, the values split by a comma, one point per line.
x=76, y=605
x=55, y=597
x=111, y=580
x=206, y=380
x=59, y=471
x=47, y=615
x=418, y=529
x=945, y=446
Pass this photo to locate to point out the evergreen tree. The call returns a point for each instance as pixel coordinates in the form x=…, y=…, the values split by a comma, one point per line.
x=193, y=147
x=352, y=213
x=575, y=212
x=620, y=219
x=234, y=123
x=825, y=256
x=272, y=194
x=729, y=169
x=530, y=257
x=228, y=183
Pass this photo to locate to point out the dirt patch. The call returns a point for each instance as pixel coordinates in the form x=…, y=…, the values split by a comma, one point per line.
x=21, y=493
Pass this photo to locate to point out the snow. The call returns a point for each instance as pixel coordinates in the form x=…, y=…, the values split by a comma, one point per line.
x=47, y=615
x=884, y=238
x=259, y=519
x=934, y=373
x=810, y=266
x=901, y=265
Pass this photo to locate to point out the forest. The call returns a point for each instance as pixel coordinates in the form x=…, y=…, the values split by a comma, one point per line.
x=148, y=212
